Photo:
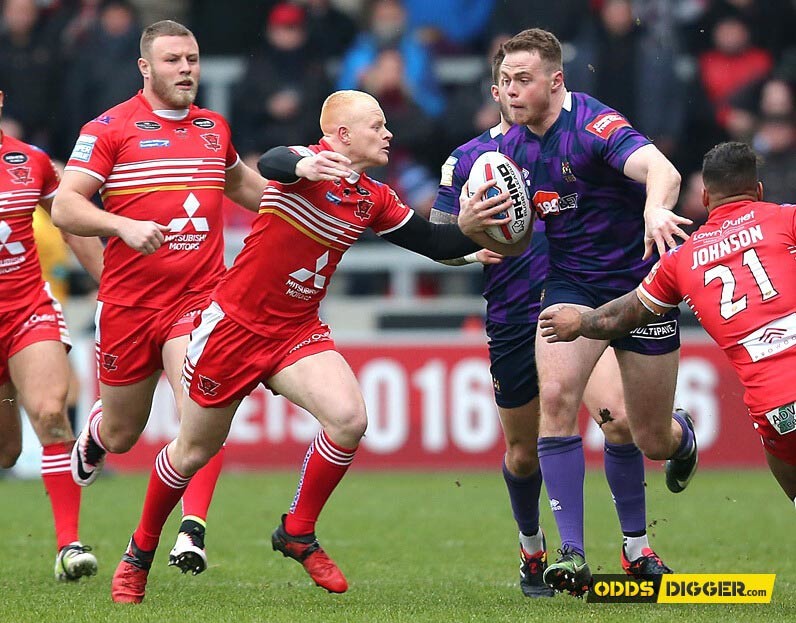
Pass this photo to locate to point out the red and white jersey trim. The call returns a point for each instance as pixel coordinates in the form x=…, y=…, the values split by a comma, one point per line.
x=327, y=229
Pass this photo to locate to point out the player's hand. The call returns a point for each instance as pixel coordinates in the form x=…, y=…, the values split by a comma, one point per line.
x=660, y=228
x=325, y=165
x=487, y=257
x=476, y=212
x=146, y=237
x=561, y=324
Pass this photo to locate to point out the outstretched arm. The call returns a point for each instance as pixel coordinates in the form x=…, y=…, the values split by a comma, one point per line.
x=649, y=166
x=435, y=241
x=608, y=322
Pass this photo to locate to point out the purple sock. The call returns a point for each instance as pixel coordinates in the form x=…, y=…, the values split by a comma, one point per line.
x=687, y=442
x=624, y=471
x=563, y=469
x=524, y=496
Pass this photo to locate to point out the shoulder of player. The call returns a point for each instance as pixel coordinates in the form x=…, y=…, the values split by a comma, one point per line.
x=595, y=118
x=16, y=152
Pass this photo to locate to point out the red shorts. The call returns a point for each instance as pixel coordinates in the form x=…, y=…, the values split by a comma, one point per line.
x=777, y=430
x=130, y=339
x=225, y=361
x=40, y=321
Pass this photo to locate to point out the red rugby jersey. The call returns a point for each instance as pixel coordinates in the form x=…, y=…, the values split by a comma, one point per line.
x=164, y=170
x=26, y=175
x=280, y=277
x=736, y=273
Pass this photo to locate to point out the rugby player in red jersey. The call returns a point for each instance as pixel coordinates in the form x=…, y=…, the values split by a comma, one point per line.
x=34, y=341
x=736, y=273
x=262, y=325
x=162, y=167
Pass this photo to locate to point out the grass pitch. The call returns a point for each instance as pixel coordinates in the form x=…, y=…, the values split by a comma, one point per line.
x=415, y=547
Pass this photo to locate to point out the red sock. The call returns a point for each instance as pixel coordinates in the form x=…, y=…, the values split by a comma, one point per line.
x=324, y=466
x=64, y=493
x=165, y=489
x=196, y=499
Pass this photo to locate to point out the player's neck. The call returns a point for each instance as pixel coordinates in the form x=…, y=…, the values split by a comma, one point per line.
x=157, y=104
x=722, y=201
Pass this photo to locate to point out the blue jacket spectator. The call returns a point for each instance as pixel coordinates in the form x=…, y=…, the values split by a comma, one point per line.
x=461, y=22
x=387, y=29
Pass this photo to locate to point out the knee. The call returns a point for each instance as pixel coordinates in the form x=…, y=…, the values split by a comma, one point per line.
x=521, y=459
x=350, y=423
x=189, y=458
x=118, y=440
x=50, y=422
x=558, y=411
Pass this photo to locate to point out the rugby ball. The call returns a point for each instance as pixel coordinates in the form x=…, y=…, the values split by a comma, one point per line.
x=492, y=165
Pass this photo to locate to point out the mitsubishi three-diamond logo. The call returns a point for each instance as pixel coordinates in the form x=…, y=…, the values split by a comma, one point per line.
x=303, y=274
x=14, y=248
x=191, y=205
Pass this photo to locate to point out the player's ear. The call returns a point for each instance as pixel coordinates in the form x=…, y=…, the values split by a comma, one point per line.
x=344, y=134
x=759, y=187
x=143, y=67
x=705, y=198
x=495, y=95
x=557, y=81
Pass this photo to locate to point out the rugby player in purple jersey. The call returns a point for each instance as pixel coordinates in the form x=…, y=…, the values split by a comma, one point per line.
x=513, y=289
x=605, y=194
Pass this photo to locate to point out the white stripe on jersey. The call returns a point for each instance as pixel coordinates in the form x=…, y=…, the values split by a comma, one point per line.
x=334, y=236
x=175, y=162
x=19, y=200
x=316, y=212
x=155, y=181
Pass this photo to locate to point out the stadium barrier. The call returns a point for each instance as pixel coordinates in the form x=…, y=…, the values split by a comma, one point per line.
x=430, y=406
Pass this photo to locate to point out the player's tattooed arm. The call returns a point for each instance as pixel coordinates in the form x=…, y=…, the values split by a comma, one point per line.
x=610, y=321
x=484, y=256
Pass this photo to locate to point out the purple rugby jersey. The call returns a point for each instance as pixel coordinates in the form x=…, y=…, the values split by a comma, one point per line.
x=513, y=288
x=593, y=213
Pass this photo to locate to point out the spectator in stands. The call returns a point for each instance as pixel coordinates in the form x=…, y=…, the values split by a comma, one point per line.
x=413, y=129
x=101, y=74
x=329, y=30
x=228, y=26
x=616, y=63
x=563, y=17
x=775, y=140
x=475, y=110
x=449, y=26
x=284, y=85
x=387, y=28
x=30, y=71
x=730, y=66
x=771, y=23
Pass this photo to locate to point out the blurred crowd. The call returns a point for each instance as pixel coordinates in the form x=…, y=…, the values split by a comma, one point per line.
x=688, y=73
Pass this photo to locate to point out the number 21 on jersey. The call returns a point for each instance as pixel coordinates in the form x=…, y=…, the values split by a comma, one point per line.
x=728, y=306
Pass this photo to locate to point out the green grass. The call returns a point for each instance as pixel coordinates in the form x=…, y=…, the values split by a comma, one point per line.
x=415, y=547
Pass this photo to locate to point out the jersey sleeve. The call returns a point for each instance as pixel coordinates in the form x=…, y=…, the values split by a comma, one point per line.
x=660, y=292
x=95, y=150
x=391, y=213
x=50, y=176
x=231, y=158
x=612, y=138
x=452, y=180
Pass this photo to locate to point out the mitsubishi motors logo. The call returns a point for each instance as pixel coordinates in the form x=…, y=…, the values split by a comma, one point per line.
x=303, y=274
x=191, y=205
x=14, y=248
